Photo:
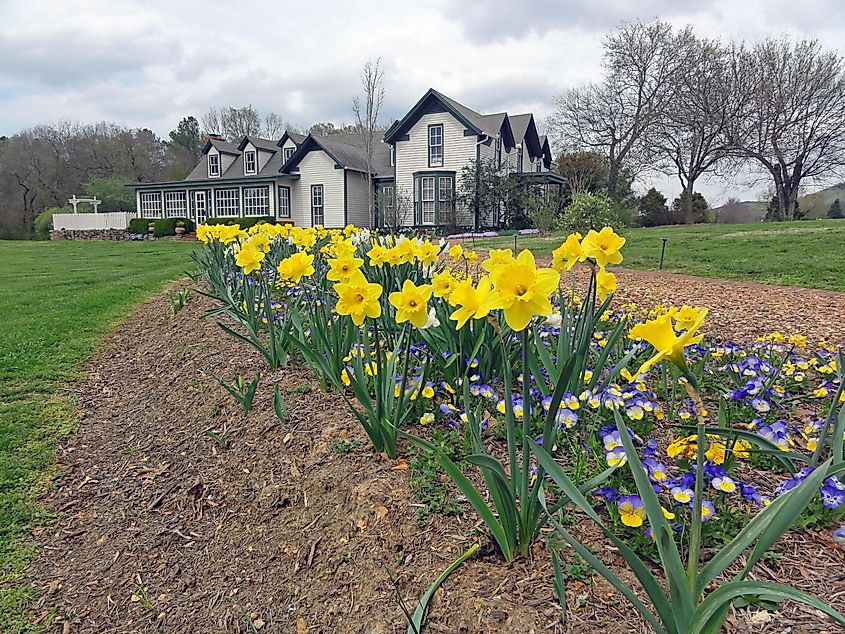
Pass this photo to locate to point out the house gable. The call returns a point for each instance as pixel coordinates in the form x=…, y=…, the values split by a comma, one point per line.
x=431, y=103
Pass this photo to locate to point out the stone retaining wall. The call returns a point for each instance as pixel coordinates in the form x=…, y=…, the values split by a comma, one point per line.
x=89, y=234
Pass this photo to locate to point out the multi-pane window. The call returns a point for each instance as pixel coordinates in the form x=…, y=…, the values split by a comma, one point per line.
x=200, y=206
x=289, y=152
x=284, y=202
x=256, y=201
x=539, y=166
x=427, y=200
x=175, y=205
x=151, y=204
x=214, y=165
x=498, y=152
x=392, y=155
x=519, y=159
x=446, y=194
x=318, y=213
x=227, y=202
x=435, y=145
x=249, y=162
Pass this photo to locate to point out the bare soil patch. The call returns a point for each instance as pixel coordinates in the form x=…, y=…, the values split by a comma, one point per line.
x=180, y=513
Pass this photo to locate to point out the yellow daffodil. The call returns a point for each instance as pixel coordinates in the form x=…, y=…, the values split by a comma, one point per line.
x=249, y=259
x=341, y=269
x=406, y=249
x=358, y=298
x=443, y=284
x=471, y=256
x=428, y=253
x=568, y=253
x=393, y=257
x=472, y=302
x=605, y=284
x=686, y=316
x=377, y=255
x=522, y=290
x=344, y=248
x=667, y=344
x=229, y=233
x=496, y=258
x=456, y=251
x=259, y=242
x=297, y=266
x=411, y=303
x=603, y=246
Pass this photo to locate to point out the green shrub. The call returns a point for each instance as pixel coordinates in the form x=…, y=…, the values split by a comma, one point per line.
x=164, y=227
x=245, y=223
x=139, y=225
x=44, y=221
x=590, y=211
x=187, y=223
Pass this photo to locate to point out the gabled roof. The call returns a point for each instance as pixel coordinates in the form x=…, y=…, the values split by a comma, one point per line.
x=547, y=151
x=346, y=150
x=293, y=136
x=524, y=131
x=471, y=119
x=221, y=146
x=262, y=144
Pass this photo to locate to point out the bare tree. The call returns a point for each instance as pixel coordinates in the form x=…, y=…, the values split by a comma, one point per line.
x=275, y=125
x=689, y=139
x=792, y=124
x=211, y=122
x=240, y=122
x=612, y=115
x=366, y=117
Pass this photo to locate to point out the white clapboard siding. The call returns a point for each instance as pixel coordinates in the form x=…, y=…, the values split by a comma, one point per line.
x=358, y=212
x=412, y=155
x=89, y=222
x=317, y=168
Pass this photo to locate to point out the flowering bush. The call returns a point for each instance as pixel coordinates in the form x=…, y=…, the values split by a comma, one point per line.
x=620, y=410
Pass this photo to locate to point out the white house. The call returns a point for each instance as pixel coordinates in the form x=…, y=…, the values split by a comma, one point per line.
x=310, y=180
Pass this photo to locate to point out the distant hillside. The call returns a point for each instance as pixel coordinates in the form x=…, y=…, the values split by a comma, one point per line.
x=815, y=205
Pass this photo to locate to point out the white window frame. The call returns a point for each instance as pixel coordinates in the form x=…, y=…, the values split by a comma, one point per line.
x=519, y=159
x=150, y=205
x=224, y=200
x=318, y=205
x=288, y=152
x=253, y=156
x=392, y=156
x=215, y=173
x=200, y=205
x=435, y=142
x=428, y=207
x=256, y=201
x=175, y=204
x=284, y=202
x=445, y=194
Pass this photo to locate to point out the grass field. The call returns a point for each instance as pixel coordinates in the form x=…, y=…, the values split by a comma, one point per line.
x=806, y=253
x=58, y=299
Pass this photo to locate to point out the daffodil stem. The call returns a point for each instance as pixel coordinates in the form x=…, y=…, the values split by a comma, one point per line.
x=526, y=433
x=691, y=386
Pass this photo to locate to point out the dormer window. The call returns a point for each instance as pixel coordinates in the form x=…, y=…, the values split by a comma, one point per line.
x=435, y=145
x=519, y=159
x=392, y=155
x=497, y=153
x=249, y=162
x=213, y=165
x=289, y=152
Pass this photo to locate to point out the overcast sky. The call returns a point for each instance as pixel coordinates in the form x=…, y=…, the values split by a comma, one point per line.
x=149, y=62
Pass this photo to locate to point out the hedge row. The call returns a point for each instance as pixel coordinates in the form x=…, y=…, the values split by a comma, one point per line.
x=245, y=223
x=161, y=226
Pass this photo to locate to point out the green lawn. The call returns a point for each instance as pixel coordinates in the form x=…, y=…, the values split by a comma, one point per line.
x=804, y=253
x=57, y=299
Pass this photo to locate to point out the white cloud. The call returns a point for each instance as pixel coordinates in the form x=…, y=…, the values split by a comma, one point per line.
x=149, y=63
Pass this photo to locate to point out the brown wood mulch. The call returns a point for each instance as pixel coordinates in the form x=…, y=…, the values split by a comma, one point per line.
x=177, y=512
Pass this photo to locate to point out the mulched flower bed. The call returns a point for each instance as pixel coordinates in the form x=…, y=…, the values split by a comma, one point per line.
x=179, y=513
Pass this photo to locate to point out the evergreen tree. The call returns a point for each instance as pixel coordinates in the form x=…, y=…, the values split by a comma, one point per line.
x=835, y=210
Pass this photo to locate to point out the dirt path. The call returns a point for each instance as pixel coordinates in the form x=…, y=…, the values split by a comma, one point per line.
x=180, y=513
